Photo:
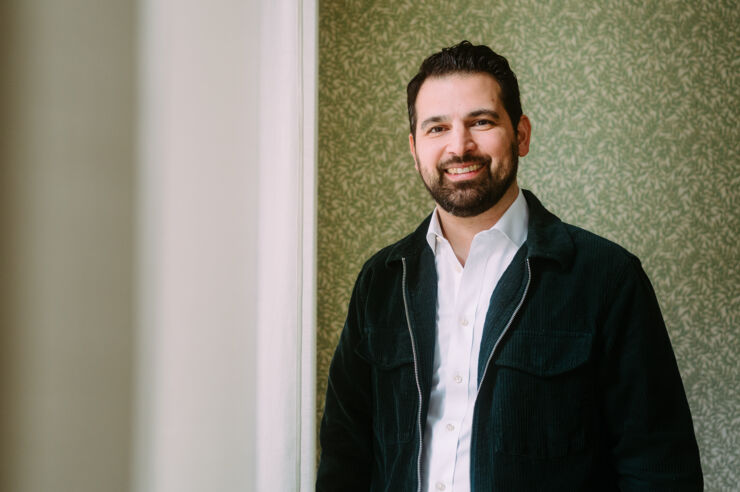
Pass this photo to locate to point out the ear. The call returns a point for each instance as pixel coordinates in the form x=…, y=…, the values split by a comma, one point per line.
x=412, y=148
x=523, y=132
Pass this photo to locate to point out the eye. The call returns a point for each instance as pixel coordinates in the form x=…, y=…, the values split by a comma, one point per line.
x=436, y=129
x=483, y=123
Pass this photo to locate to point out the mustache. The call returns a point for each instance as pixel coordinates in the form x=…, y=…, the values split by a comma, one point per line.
x=462, y=159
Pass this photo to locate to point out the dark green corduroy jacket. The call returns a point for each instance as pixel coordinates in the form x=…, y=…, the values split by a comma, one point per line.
x=579, y=388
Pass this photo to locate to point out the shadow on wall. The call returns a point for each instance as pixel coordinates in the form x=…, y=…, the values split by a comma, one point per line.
x=66, y=244
x=6, y=235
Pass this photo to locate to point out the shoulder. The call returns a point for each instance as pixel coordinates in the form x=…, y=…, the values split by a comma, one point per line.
x=591, y=246
x=599, y=261
x=383, y=257
x=570, y=246
x=391, y=256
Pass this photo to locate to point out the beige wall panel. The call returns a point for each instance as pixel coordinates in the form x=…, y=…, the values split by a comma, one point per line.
x=66, y=244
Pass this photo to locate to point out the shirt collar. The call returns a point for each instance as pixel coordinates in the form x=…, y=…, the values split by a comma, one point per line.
x=513, y=224
x=434, y=232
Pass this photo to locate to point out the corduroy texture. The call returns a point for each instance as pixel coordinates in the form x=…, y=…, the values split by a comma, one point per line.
x=583, y=350
x=636, y=137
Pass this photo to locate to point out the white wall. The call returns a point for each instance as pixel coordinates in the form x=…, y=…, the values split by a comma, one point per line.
x=197, y=215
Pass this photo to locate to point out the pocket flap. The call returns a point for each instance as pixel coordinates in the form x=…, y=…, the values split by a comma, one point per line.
x=545, y=353
x=386, y=348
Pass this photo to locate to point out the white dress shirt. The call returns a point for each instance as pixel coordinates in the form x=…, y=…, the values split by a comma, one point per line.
x=463, y=295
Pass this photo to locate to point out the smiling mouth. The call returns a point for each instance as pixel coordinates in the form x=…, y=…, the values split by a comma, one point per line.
x=463, y=170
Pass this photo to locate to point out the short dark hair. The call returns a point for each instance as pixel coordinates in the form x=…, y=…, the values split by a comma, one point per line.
x=465, y=57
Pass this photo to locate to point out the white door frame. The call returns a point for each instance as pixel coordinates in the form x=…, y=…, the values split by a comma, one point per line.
x=225, y=364
x=286, y=389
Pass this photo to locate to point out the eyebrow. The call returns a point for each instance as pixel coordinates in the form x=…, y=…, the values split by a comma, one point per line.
x=484, y=112
x=473, y=114
x=433, y=119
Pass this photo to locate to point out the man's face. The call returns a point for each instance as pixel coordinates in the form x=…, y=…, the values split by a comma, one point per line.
x=465, y=148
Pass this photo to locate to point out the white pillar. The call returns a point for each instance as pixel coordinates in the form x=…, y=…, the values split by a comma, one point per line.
x=286, y=247
x=226, y=289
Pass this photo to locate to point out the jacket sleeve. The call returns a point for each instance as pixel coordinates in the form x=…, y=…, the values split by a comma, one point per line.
x=346, y=427
x=648, y=423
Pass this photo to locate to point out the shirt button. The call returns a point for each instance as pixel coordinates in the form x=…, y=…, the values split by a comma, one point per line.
x=450, y=427
x=440, y=486
x=458, y=269
x=464, y=321
x=458, y=379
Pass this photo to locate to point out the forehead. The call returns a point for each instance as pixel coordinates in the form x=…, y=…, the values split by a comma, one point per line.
x=459, y=92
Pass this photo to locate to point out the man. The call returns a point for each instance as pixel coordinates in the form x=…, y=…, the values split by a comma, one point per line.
x=498, y=348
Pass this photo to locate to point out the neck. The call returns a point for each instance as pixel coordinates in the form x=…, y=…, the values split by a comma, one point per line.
x=460, y=231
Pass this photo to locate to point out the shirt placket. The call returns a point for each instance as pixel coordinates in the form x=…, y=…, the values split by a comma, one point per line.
x=446, y=430
x=461, y=346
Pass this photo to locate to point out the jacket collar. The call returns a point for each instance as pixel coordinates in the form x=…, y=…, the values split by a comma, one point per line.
x=547, y=236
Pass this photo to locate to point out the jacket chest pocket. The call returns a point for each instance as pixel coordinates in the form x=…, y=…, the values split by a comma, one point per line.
x=395, y=396
x=543, y=394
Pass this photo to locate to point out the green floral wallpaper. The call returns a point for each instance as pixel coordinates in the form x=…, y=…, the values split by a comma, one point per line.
x=636, y=137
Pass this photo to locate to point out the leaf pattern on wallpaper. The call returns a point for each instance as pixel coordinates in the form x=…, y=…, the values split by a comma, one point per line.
x=636, y=137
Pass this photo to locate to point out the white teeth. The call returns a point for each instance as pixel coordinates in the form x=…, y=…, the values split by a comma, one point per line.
x=462, y=170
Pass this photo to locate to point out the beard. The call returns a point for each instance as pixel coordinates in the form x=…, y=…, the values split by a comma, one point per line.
x=474, y=196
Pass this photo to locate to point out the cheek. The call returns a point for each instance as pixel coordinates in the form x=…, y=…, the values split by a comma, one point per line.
x=426, y=158
x=493, y=146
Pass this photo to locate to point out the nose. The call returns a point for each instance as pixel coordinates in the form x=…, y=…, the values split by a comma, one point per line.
x=461, y=141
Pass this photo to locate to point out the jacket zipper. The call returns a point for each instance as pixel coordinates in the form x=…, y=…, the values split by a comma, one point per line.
x=416, y=364
x=416, y=375
x=506, y=328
